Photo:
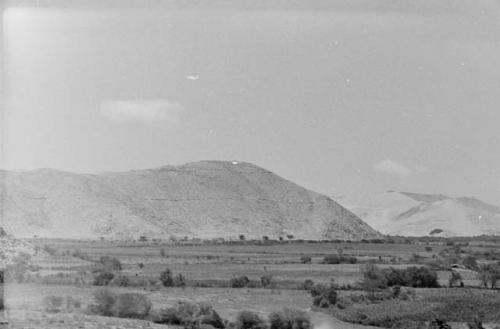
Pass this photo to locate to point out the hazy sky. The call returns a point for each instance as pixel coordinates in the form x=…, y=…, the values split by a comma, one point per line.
x=342, y=97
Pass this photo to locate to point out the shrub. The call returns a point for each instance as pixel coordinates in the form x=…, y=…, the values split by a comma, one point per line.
x=331, y=259
x=267, y=281
x=108, y=264
x=249, y=320
x=121, y=281
x=166, y=278
x=342, y=259
x=419, y=277
x=189, y=315
x=53, y=304
x=103, y=278
x=373, y=278
x=455, y=278
x=308, y=284
x=289, y=319
x=179, y=280
x=305, y=260
x=470, y=262
x=104, y=301
x=323, y=295
x=239, y=282
x=132, y=305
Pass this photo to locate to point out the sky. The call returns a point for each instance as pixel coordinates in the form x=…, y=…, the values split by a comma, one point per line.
x=342, y=97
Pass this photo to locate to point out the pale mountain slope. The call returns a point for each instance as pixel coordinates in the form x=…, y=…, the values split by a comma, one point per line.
x=205, y=199
x=414, y=214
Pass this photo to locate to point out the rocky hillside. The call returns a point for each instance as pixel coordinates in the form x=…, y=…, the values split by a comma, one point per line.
x=10, y=248
x=205, y=199
x=414, y=214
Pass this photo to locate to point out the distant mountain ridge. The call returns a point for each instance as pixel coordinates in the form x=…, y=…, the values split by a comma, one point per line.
x=416, y=214
x=207, y=199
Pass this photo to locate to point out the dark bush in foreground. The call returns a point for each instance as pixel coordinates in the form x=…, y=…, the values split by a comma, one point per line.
x=421, y=277
x=189, y=315
x=132, y=305
x=289, y=319
x=323, y=295
x=249, y=320
x=239, y=282
x=103, y=278
x=126, y=305
x=104, y=301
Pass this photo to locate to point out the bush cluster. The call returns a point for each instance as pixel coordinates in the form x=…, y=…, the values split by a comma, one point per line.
x=189, y=315
x=239, y=282
x=323, y=295
x=414, y=276
x=168, y=279
x=125, y=305
x=339, y=259
x=285, y=319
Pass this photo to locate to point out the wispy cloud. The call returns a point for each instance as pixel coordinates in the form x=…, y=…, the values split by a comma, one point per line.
x=146, y=111
x=392, y=168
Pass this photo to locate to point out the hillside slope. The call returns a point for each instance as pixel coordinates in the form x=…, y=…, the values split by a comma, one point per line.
x=205, y=199
x=414, y=214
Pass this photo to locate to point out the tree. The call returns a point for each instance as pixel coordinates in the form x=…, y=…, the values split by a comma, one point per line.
x=373, y=278
x=249, y=320
x=454, y=279
x=489, y=273
x=470, y=262
x=166, y=278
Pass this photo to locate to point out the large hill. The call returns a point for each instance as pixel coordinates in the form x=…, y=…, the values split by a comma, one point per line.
x=205, y=199
x=414, y=214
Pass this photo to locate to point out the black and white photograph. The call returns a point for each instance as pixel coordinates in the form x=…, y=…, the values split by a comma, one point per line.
x=250, y=164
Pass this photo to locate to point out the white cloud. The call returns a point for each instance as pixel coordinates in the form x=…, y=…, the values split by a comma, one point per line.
x=143, y=110
x=392, y=168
